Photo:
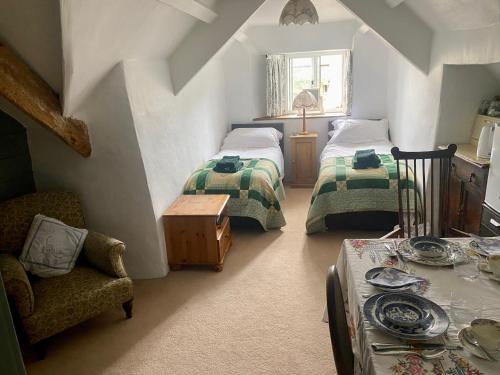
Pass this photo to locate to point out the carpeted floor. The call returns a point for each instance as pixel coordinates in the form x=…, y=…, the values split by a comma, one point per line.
x=261, y=315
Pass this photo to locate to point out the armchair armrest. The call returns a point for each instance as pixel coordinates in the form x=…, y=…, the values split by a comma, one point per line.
x=105, y=254
x=17, y=285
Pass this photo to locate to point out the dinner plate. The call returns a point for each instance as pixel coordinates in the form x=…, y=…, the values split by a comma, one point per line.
x=408, y=252
x=388, y=277
x=436, y=326
x=370, y=274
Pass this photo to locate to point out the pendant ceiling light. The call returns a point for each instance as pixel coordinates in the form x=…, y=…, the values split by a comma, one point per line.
x=299, y=12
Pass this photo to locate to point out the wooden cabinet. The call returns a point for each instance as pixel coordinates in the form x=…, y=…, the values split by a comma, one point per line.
x=304, y=164
x=466, y=195
x=197, y=232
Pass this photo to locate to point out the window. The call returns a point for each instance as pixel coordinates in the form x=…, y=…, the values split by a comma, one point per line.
x=323, y=74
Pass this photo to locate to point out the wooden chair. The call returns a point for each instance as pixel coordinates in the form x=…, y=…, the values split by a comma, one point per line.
x=337, y=321
x=431, y=171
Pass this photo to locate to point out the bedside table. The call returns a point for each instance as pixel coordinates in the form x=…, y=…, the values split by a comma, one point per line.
x=304, y=168
x=197, y=231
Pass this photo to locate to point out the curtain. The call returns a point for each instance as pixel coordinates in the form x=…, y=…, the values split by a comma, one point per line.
x=276, y=77
x=347, y=99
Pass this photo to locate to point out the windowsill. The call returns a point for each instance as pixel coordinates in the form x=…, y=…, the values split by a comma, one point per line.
x=297, y=117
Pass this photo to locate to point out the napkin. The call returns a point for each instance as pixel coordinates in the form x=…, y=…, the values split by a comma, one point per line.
x=489, y=245
x=394, y=278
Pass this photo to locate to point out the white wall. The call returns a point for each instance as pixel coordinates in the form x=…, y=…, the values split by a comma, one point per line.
x=414, y=98
x=462, y=90
x=176, y=133
x=112, y=182
x=244, y=67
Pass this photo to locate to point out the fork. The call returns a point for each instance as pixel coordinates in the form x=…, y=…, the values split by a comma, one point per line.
x=424, y=354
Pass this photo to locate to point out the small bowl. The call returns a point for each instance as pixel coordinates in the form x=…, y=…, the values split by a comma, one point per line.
x=429, y=247
x=404, y=312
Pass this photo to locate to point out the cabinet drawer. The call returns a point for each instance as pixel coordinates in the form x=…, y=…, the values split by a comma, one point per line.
x=490, y=220
x=473, y=175
x=223, y=238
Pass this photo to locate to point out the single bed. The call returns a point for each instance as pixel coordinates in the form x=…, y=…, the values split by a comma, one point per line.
x=347, y=198
x=257, y=189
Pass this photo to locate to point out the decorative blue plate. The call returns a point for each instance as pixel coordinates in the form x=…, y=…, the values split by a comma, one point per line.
x=404, y=311
x=455, y=250
x=437, y=325
x=430, y=247
x=388, y=277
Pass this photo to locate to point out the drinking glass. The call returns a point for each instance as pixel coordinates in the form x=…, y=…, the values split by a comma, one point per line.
x=466, y=266
x=464, y=308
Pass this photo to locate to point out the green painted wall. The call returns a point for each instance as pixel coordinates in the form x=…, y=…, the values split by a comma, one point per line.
x=16, y=174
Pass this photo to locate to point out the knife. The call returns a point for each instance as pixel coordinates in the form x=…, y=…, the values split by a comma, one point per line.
x=379, y=347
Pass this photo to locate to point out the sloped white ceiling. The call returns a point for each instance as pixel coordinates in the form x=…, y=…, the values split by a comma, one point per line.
x=98, y=34
x=328, y=11
x=453, y=15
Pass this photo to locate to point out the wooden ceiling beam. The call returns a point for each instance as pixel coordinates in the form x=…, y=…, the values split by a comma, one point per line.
x=21, y=86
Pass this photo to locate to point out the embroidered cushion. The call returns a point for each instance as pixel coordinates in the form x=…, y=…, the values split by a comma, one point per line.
x=51, y=247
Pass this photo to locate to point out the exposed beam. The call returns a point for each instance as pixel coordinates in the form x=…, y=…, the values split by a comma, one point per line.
x=399, y=26
x=21, y=86
x=394, y=3
x=193, y=8
x=205, y=40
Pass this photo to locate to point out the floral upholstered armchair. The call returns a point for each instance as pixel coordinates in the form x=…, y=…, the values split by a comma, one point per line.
x=47, y=306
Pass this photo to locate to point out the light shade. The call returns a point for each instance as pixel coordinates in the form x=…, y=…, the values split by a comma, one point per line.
x=304, y=100
x=299, y=12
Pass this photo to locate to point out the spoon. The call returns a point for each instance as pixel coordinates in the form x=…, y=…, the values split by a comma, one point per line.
x=473, y=341
x=424, y=354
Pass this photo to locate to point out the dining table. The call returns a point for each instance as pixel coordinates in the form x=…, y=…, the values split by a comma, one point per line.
x=481, y=298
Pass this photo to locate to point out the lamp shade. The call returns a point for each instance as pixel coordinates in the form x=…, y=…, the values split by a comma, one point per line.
x=304, y=100
x=299, y=12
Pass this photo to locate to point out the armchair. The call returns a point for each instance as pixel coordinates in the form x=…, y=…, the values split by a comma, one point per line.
x=48, y=306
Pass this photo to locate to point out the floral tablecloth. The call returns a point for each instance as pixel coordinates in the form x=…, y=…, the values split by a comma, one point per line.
x=482, y=296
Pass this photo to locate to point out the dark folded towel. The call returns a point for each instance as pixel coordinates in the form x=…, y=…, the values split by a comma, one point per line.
x=231, y=158
x=228, y=165
x=365, y=159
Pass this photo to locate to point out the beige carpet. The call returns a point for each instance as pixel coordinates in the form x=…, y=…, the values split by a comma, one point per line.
x=261, y=315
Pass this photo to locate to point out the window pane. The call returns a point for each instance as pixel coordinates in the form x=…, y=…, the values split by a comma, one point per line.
x=331, y=82
x=302, y=74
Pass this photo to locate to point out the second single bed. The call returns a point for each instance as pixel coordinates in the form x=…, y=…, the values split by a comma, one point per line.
x=356, y=198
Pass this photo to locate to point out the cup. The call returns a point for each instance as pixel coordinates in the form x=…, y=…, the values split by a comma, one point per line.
x=494, y=264
x=466, y=266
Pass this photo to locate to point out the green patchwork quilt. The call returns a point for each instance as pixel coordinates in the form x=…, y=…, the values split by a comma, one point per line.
x=256, y=190
x=341, y=189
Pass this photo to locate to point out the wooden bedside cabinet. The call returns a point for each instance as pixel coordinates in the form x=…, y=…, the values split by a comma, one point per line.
x=197, y=231
x=304, y=167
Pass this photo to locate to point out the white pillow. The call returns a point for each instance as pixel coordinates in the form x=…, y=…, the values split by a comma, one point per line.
x=52, y=247
x=361, y=131
x=252, y=138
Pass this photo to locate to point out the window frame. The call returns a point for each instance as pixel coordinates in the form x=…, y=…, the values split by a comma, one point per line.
x=316, y=56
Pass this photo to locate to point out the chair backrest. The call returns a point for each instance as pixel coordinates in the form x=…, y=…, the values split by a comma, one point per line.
x=337, y=321
x=434, y=167
x=17, y=214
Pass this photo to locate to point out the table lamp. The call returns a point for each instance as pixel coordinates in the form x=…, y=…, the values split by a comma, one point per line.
x=302, y=101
